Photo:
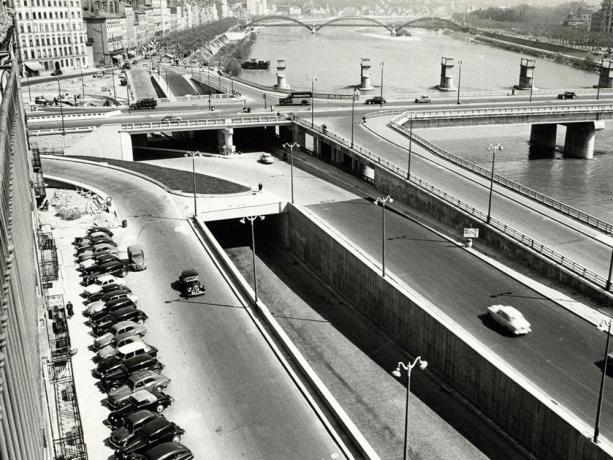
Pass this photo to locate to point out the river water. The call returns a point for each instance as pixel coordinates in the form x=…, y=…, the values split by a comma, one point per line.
x=412, y=66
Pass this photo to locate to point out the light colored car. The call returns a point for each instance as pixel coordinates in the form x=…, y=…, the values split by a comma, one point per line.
x=100, y=305
x=141, y=380
x=103, y=281
x=267, y=159
x=118, y=332
x=423, y=99
x=510, y=318
x=127, y=346
x=171, y=118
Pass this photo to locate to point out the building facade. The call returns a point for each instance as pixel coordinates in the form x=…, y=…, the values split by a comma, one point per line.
x=602, y=21
x=105, y=34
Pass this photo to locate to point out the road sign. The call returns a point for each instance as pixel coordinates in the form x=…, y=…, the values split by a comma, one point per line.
x=471, y=232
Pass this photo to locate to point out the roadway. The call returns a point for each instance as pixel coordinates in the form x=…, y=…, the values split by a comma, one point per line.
x=232, y=395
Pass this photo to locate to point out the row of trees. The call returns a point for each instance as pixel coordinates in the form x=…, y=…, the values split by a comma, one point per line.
x=185, y=42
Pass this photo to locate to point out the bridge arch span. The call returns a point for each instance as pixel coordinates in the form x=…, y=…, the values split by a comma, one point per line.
x=431, y=19
x=374, y=21
x=279, y=17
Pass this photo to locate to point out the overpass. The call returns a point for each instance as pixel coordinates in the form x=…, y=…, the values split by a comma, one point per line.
x=581, y=121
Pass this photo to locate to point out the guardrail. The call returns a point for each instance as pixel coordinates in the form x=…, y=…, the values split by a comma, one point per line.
x=232, y=121
x=74, y=130
x=512, y=233
x=552, y=203
x=57, y=116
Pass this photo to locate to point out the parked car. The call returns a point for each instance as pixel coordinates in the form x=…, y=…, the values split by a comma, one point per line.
x=423, y=99
x=90, y=254
x=166, y=451
x=152, y=434
x=111, y=302
x=57, y=72
x=170, y=118
x=108, y=292
x=117, y=332
x=510, y=318
x=567, y=95
x=136, y=258
x=142, y=399
x=97, y=259
x=190, y=284
x=134, y=422
x=92, y=234
x=102, y=281
x=113, y=267
x=120, y=374
x=141, y=380
x=95, y=228
x=126, y=346
x=375, y=100
x=266, y=158
x=40, y=100
x=124, y=314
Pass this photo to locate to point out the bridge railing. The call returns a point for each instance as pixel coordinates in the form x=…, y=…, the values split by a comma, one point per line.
x=512, y=233
x=552, y=203
x=200, y=122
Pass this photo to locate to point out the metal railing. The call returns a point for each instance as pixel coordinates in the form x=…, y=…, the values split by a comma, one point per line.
x=512, y=233
x=206, y=122
x=552, y=203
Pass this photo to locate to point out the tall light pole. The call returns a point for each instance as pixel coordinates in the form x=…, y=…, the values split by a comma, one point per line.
x=492, y=148
x=59, y=90
x=128, y=94
x=381, y=93
x=355, y=92
x=291, y=146
x=113, y=80
x=29, y=90
x=251, y=219
x=313, y=79
x=410, y=147
x=193, y=155
x=604, y=326
x=532, y=82
x=82, y=84
x=383, y=202
x=459, y=78
x=408, y=367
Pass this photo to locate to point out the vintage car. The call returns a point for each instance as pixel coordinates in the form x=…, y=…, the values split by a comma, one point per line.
x=155, y=432
x=119, y=331
x=190, y=283
x=136, y=258
x=100, y=282
x=509, y=318
x=141, y=380
x=139, y=400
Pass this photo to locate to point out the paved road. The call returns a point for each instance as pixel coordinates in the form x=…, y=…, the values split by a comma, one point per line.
x=232, y=395
x=560, y=355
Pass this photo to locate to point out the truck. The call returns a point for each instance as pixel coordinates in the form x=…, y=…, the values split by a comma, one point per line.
x=296, y=98
x=146, y=103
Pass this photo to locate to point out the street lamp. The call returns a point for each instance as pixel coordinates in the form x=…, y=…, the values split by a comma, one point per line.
x=459, y=78
x=398, y=373
x=251, y=219
x=291, y=146
x=492, y=148
x=355, y=93
x=606, y=327
x=410, y=146
x=82, y=84
x=113, y=80
x=59, y=90
x=381, y=93
x=313, y=79
x=128, y=94
x=193, y=155
x=383, y=202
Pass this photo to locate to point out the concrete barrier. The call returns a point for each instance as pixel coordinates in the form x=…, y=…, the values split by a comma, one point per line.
x=495, y=389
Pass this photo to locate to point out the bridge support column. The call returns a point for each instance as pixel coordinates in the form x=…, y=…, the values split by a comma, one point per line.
x=365, y=84
x=446, y=83
x=526, y=73
x=281, y=80
x=226, y=142
x=579, y=142
x=543, y=138
x=605, y=80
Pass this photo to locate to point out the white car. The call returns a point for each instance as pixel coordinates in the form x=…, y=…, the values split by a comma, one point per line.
x=267, y=159
x=102, y=281
x=510, y=318
x=129, y=346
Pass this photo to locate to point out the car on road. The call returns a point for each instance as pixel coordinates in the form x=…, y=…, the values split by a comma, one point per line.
x=124, y=314
x=170, y=118
x=423, y=99
x=266, y=158
x=102, y=281
x=375, y=100
x=40, y=100
x=190, y=284
x=142, y=399
x=117, y=332
x=141, y=380
x=510, y=318
x=155, y=432
x=567, y=95
x=166, y=451
x=134, y=422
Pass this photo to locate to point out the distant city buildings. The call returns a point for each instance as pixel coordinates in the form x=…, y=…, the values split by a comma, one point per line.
x=256, y=7
x=602, y=21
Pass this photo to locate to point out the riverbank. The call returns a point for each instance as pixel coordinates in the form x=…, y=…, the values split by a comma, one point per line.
x=234, y=53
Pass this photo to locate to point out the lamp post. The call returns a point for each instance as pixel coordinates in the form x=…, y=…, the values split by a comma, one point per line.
x=128, y=94
x=232, y=83
x=355, y=93
x=410, y=147
x=82, y=84
x=408, y=367
x=491, y=148
x=251, y=219
x=193, y=155
x=381, y=93
x=604, y=326
x=532, y=82
x=59, y=90
x=291, y=146
x=113, y=80
x=29, y=90
x=313, y=101
x=383, y=202
x=459, y=78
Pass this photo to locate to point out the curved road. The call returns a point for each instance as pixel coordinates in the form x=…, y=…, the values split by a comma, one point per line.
x=231, y=394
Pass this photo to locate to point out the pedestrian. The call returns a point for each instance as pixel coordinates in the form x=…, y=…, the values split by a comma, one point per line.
x=260, y=186
x=513, y=92
x=69, y=309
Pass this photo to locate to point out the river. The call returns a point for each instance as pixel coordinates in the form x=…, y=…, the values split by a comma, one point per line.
x=412, y=66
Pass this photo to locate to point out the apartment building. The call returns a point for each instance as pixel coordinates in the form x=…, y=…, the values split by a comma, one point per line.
x=105, y=34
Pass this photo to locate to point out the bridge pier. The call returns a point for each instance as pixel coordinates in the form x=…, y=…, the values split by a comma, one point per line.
x=605, y=80
x=543, y=138
x=226, y=141
x=579, y=141
x=365, y=84
x=446, y=83
x=526, y=74
x=281, y=80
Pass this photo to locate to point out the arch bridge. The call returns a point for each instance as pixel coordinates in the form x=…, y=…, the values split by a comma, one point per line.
x=352, y=21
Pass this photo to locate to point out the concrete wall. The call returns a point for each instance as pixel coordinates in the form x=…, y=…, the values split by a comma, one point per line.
x=104, y=142
x=423, y=330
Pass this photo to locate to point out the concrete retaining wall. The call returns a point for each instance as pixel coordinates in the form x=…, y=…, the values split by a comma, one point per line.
x=532, y=420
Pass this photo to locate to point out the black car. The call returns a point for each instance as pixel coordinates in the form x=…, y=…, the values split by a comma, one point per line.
x=99, y=259
x=153, y=433
x=88, y=242
x=57, y=72
x=134, y=422
x=166, y=451
x=375, y=100
x=95, y=229
x=111, y=307
x=119, y=374
x=142, y=399
x=567, y=95
x=124, y=314
x=109, y=291
x=112, y=267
